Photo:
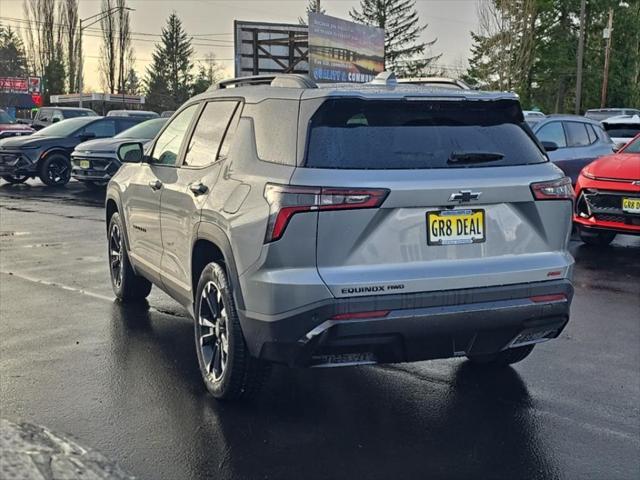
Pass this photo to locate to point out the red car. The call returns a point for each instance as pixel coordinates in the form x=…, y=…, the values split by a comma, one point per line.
x=10, y=128
x=608, y=196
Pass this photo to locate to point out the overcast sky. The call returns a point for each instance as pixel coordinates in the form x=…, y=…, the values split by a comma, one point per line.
x=449, y=21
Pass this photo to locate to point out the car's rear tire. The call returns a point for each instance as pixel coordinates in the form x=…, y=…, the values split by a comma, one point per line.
x=127, y=286
x=55, y=170
x=597, y=239
x=503, y=358
x=15, y=179
x=227, y=368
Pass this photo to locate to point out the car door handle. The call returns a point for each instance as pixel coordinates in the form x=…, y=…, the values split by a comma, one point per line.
x=155, y=185
x=198, y=188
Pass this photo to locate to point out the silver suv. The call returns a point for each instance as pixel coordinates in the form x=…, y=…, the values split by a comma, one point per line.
x=345, y=225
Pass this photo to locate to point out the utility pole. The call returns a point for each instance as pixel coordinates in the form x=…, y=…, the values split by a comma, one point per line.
x=318, y=9
x=607, y=53
x=83, y=25
x=583, y=7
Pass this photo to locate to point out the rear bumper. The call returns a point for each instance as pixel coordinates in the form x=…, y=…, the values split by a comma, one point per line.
x=419, y=326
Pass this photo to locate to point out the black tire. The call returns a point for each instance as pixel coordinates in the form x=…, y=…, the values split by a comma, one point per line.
x=503, y=358
x=597, y=239
x=15, y=179
x=233, y=374
x=127, y=286
x=55, y=170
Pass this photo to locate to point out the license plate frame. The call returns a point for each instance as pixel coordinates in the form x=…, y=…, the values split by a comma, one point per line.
x=456, y=213
x=635, y=205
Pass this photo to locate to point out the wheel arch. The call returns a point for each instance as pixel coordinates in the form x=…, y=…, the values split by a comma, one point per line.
x=51, y=151
x=113, y=205
x=211, y=244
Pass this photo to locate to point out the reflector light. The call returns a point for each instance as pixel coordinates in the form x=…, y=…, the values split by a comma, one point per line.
x=556, y=190
x=287, y=200
x=554, y=297
x=361, y=315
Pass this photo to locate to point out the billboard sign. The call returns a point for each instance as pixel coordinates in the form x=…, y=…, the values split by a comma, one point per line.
x=14, y=85
x=266, y=48
x=343, y=51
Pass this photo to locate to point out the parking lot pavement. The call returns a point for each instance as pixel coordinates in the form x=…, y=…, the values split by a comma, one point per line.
x=124, y=380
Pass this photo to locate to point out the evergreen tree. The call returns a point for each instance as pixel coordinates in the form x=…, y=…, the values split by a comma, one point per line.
x=314, y=6
x=132, y=83
x=169, y=79
x=13, y=60
x=404, y=51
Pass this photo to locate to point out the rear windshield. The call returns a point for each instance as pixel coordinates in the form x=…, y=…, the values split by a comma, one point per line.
x=624, y=130
x=416, y=134
x=78, y=113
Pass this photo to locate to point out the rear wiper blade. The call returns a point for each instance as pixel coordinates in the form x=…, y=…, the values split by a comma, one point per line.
x=474, y=157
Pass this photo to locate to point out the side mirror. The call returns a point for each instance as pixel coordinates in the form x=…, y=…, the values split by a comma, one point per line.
x=131, y=152
x=550, y=146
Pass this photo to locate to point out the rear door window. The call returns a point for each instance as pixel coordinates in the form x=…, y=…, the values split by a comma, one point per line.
x=577, y=135
x=209, y=132
x=552, y=132
x=416, y=134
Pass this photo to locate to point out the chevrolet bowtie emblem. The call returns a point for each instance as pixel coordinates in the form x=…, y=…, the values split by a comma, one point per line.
x=464, y=196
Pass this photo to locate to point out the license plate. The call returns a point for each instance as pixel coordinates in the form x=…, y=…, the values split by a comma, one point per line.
x=455, y=227
x=631, y=205
x=85, y=164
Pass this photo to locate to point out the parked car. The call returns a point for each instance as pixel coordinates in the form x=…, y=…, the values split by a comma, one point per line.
x=532, y=117
x=96, y=161
x=344, y=225
x=9, y=127
x=145, y=114
x=167, y=113
x=622, y=128
x=439, y=82
x=49, y=115
x=46, y=153
x=608, y=196
x=604, y=113
x=572, y=142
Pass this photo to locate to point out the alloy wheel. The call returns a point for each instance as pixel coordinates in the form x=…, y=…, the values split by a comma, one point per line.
x=58, y=171
x=115, y=255
x=213, y=338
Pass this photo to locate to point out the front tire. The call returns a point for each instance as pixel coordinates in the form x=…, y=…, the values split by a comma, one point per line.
x=127, y=286
x=15, y=179
x=228, y=370
x=503, y=358
x=597, y=239
x=55, y=170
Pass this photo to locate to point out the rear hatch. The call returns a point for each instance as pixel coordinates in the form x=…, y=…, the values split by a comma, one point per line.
x=457, y=205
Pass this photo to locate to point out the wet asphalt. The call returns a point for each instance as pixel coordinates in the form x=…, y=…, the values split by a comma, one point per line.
x=124, y=380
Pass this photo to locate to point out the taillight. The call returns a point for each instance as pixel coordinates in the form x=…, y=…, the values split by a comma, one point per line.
x=287, y=200
x=555, y=190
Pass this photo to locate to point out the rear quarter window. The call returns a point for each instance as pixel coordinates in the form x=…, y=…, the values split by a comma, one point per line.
x=275, y=124
x=403, y=134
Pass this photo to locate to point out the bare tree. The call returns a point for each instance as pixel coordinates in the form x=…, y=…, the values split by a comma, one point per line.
x=125, y=49
x=108, y=51
x=70, y=19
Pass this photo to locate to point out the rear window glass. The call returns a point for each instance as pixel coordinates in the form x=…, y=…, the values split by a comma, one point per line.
x=624, y=130
x=405, y=134
x=78, y=113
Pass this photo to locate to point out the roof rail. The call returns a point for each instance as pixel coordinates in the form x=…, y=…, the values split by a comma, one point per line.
x=290, y=80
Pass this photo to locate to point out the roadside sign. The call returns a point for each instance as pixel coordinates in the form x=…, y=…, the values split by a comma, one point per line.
x=343, y=51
